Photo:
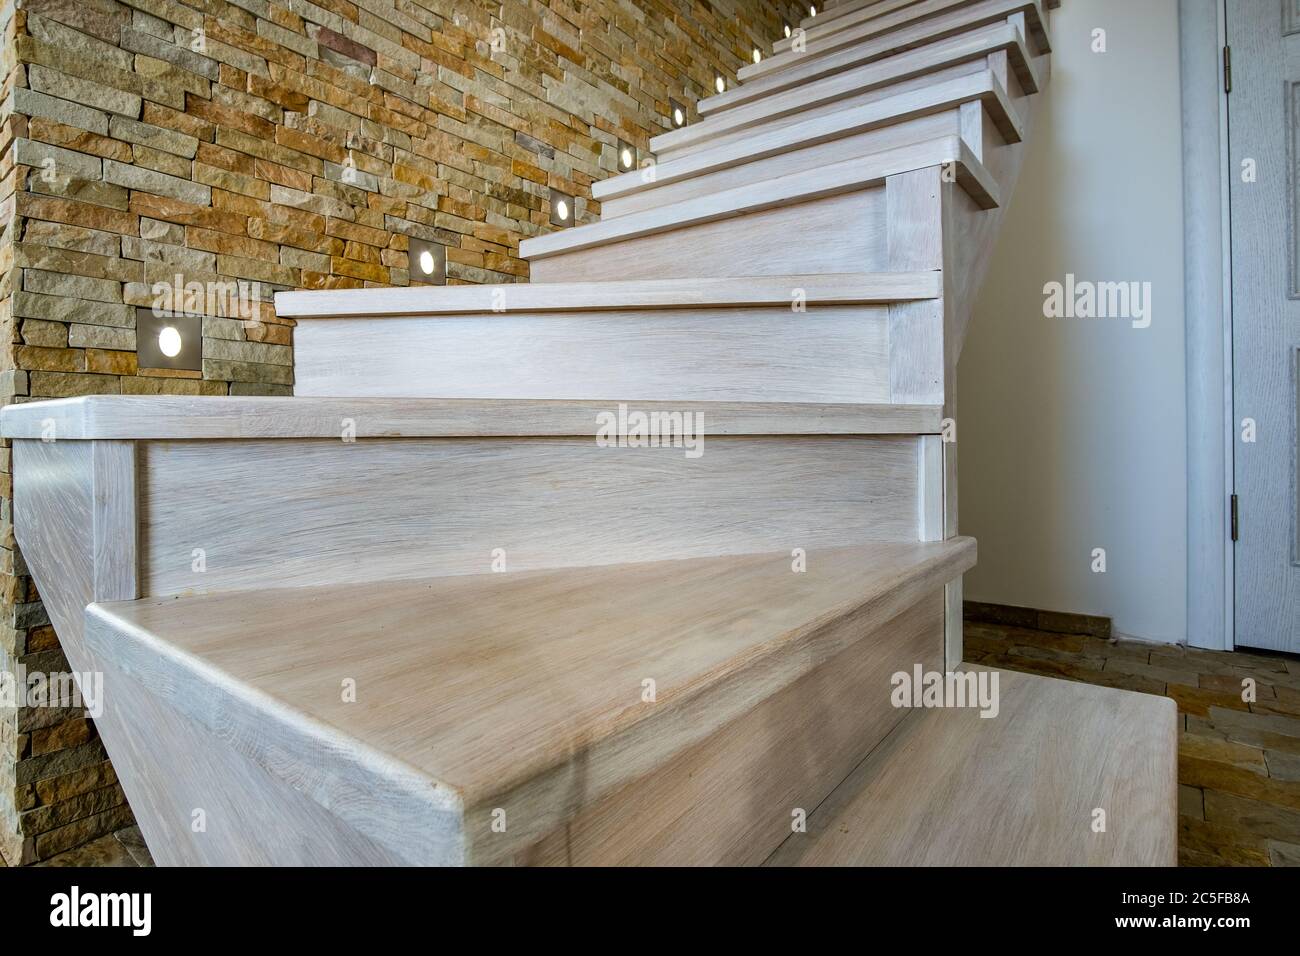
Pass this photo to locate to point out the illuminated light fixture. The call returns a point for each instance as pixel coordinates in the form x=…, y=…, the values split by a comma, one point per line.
x=563, y=211
x=168, y=340
x=758, y=54
x=720, y=83
x=677, y=113
x=787, y=31
x=812, y=11
x=428, y=262
x=626, y=157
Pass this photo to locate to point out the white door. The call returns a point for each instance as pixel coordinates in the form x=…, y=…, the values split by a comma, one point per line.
x=1264, y=146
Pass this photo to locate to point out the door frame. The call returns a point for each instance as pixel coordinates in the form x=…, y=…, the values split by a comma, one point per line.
x=1207, y=257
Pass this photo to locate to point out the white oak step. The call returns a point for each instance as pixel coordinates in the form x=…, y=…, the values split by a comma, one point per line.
x=759, y=339
x=836, y=88
x=864, y=44
x=950, y=788
x=636, y=295
x=832, y=180
x=184, y=417
x=890, y=13
x=334, y=491
x=516, y=699
x=733, y=152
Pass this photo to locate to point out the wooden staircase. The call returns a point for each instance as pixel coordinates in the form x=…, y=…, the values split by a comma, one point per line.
x=435, y=609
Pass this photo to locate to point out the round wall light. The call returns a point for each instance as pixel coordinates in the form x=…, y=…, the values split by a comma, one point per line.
x=626, y=157
x=677, y=113
x=563, y=209
x=758, y=55
x=428, y=262
x=720, y=83
x=169, y=342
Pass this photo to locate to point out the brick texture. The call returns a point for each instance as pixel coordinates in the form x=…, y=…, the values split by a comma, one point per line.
x=259, y=145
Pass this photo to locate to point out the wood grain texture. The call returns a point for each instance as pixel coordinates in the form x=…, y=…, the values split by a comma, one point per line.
x=887, y=72
x=831, y=180
x=641, y=295
x=949, y=788
x=734, y=155
x=114, y=486
x=823, y=354
x=904, y=133
x=729, y=801
x=514, y=691
x=750, y=145
x=815, y=67
x=374, y=510
x=850, y=231
x=188, y=417
x=943, y=18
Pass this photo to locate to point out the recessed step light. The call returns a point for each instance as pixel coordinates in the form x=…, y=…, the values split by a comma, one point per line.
x=427, y=262
x=720, y=83
x=626, y=156
x=563, y=211
x=677, y=113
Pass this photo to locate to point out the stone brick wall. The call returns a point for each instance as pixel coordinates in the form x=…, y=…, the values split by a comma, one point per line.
x=280, y=144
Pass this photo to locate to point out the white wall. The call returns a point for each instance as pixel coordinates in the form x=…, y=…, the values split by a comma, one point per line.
x=1072, y=431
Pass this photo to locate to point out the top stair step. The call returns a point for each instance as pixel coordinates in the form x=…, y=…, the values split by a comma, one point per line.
x=520, y=692
x=879, y=38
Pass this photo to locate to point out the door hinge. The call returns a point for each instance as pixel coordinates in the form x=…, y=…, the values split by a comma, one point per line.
x=1227, y=69
x=1234, y=517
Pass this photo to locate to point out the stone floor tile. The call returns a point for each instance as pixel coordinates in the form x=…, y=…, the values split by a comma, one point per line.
x=1212, y=775
x=1195, y=700
x=1232, y=684
x=1220, y=750
x=1283, y=766
x=1163, y=673
x=1191, y=802
x=1253, y=816
x=1233, y=846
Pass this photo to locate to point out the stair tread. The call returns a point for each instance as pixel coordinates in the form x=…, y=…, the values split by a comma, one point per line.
x=757, y=144
x=827, y=289
x=807, y=185
x=885, y=36
x=163, y=417
x=748, y=111
x=950, y=788
x=478, y=684
x=856, y=66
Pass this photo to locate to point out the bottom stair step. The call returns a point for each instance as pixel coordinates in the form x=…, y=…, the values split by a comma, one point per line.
x=671, y=712
x=1024, y=788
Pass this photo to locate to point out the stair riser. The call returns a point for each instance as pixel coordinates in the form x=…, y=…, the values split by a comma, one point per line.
x=730, y=800
x=824, y=354
x=849, y=231
x=755, y=122
x=943, y=123
x=322, y=512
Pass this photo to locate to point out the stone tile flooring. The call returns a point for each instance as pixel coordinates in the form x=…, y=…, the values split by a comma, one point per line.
x=1238, y=761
